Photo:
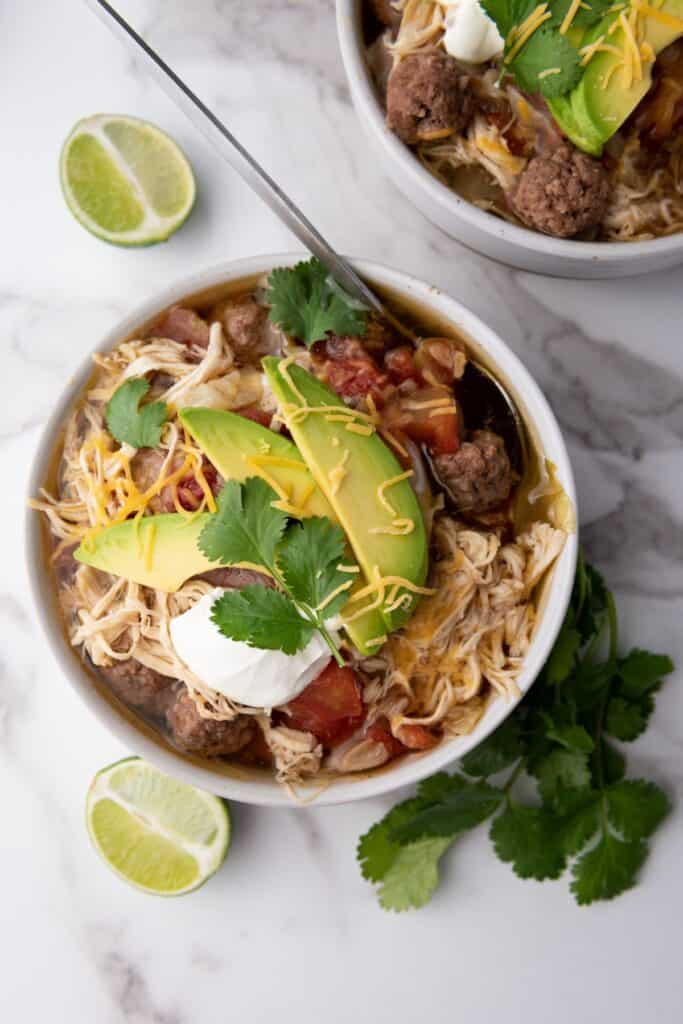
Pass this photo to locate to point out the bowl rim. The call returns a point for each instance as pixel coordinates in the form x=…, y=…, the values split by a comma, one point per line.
x=572, y=250
x=267, y=791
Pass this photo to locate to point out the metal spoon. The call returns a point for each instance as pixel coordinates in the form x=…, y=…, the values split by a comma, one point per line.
x=260, y=181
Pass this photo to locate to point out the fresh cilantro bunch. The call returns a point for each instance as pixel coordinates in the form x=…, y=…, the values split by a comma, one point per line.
x=132, y=423
x=547, y=49
x=559, y=738
x=306, y=302
x=302, y=558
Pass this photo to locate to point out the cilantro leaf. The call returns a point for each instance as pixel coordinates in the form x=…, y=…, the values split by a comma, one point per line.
x=572, y=737
x=625, y=720
x=547, y=49
x=246, y=527
x=409, y=874
x=376, y=851
x=306, y=303
x=308, y=558
x=498, y=751
x=588, y=14
x=507, y=13
x=641, y=671
x=130, y=423
x=608, y=869
x=561, y=770
x=635, y=808
x=527, y=838
x=561, y=660
x=613, y=764
x=579, y=819
x=263, y=618
x=591, y=600
x=414, y=875
x=455, y=806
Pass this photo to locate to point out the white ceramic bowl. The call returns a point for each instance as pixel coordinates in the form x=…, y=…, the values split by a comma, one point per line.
x=482, y=231
x=256, y=787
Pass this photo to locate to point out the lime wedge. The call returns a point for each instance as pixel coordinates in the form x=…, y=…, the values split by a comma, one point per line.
x=125, y=180
x=161, y=835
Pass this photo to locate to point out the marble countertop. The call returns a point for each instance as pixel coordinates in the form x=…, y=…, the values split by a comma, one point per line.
x=288, y=930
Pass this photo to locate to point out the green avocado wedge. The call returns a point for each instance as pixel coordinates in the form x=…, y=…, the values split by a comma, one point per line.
x=367, y=464
x=240, y=448
x=597, y=107
x=158, y=551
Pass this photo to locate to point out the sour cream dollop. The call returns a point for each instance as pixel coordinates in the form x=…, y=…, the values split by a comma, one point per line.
x=249, y=675
x=469, y=33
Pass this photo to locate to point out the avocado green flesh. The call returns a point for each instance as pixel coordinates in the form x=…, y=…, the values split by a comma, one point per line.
x=164, y=562
x=238, y=448
x=229, y=441
x=356, y=504
x=592, y=112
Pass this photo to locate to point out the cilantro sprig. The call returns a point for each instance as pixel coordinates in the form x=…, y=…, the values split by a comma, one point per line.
x=306, y=302
x=586, y=814
x=302, y=558
x=547, y=50
x=132, y=423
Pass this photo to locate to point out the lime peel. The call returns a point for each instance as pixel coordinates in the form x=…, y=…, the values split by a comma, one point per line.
x=158, y=834
x=125, y=180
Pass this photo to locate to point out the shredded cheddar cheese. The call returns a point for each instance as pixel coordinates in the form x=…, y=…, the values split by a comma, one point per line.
x=548, y=72
x=150, y=535
x=521, y=34
x=569, y=17
x=346, y=585
x=337, y=474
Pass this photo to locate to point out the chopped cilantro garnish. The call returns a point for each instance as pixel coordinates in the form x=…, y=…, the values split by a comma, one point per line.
x=548, y=63
x=307, y=303
x=302, y=558
x=133, y=424
x=586, y=813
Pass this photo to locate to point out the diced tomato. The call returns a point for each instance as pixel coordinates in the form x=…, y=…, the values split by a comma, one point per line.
x=351, y=371
x=400, y=364
x=190, y=492
x=440, y=360
x=412, y=416
x=256, y=413
x=417, y=737
x=379, y=734
x=331, y=707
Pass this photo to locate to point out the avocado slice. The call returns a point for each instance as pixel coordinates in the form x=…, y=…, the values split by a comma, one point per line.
x=240, y=448
x=230, y=441
x=163, y=560
x=367, y=464
x=597, y=107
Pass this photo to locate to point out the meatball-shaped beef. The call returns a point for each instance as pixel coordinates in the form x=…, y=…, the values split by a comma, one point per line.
x=182, y=325
x=139, y=687
x=205, y=736
x=561, y=193
x=426, y=98
x=478, y=477
x=247, y=327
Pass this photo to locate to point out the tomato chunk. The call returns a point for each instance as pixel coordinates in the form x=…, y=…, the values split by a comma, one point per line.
x=331, y=707
x=379, y=734
x=417, y=417
x=400, y=364
x=417, y=737
x=351, y=371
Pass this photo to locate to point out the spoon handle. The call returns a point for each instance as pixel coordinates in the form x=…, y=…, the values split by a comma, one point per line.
x=237, y=156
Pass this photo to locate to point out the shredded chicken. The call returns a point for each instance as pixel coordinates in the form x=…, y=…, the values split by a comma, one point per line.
x=437, y=671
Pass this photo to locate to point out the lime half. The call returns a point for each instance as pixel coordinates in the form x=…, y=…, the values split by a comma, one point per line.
x=125, y=180
x=161, y=835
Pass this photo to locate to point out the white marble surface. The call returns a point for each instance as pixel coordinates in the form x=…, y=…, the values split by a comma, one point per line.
x=288, y=930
